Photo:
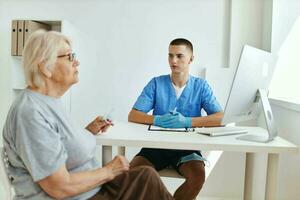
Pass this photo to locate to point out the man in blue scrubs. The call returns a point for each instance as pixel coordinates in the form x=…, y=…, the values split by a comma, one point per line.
x=176, y=100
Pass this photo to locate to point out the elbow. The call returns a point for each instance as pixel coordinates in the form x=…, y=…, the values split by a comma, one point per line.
x=137, y=116
x=61, y=193
x=218, y=123
x=58, y=196
x=221, y=115
x=219, y=119
x=131, y=116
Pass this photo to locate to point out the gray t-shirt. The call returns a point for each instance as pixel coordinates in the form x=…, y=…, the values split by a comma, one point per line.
x=39, y=138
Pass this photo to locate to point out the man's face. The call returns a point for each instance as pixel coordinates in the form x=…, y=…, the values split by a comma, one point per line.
x=180, y=58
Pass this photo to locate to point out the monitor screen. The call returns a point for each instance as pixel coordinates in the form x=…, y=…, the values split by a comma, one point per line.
x=254, y=72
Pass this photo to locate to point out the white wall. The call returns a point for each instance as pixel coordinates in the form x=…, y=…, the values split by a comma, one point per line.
x=127, y=43
x=285, y=14
x=250, y=24
x=289, y=172
x=130, y=47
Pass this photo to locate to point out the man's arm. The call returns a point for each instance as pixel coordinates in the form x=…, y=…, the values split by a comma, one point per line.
x=140, y=117
x=209, y=120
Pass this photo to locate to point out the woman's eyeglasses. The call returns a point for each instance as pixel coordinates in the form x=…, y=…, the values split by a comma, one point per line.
x=71, y=56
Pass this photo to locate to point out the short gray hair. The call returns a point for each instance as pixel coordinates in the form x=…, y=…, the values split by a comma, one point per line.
x=41, y=47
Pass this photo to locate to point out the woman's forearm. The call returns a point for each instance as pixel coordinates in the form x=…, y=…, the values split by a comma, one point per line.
x=63, y=184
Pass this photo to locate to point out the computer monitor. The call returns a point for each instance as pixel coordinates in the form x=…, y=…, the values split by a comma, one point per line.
x=248, y=93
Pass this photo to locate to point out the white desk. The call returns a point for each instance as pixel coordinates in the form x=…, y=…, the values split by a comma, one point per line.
x=136, y=135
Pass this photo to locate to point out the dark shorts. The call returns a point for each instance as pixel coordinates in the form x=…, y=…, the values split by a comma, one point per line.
x=164, y=158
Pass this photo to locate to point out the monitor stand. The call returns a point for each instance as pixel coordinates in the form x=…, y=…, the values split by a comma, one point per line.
x=272, y=130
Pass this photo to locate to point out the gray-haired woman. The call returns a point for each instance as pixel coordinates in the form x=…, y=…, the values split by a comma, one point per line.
x=49, y=156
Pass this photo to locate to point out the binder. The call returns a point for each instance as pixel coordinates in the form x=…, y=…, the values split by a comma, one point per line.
x=20, y=37
x=21, y=30
x=31, y=26
x=14, y=38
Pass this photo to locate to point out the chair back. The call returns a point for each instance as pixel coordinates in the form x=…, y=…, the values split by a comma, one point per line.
x=4, y=178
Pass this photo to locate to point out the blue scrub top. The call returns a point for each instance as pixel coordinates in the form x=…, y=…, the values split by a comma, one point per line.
x=159, y=95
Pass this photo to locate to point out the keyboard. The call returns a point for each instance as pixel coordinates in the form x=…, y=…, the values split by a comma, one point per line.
x=221, y=131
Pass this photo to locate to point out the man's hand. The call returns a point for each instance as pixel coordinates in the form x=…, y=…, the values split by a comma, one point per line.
x=98, y=125
x=117, y=166
x=161, y=120
x=173, y=120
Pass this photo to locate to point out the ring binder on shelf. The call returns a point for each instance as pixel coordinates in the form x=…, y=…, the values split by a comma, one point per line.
x=20, y=37
x=21, y=29
x=31, y=26
x=14, y=38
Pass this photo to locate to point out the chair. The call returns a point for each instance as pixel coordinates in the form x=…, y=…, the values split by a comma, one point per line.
x=4, y=178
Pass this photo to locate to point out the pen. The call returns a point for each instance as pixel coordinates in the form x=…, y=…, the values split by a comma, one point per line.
x=108, y=118
x=190, y=129
x=173, y=111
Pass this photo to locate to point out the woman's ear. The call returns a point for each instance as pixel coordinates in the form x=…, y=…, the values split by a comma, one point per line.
x=43, y=69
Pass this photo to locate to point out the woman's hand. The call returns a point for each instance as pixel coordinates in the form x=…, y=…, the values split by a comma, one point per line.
x=117, y=166
x=98, y=125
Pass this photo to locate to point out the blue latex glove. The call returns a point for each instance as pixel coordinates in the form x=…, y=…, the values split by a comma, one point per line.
x=160, y=120
x=173, y=120
x=177, y=120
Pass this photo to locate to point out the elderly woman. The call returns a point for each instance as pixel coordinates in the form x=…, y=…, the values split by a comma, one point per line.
x=49, y=156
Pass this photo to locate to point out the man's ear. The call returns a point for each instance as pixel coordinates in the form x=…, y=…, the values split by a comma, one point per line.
x=43, y=69
x=191, y=59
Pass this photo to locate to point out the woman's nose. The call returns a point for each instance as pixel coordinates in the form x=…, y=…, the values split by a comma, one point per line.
x=76, y=63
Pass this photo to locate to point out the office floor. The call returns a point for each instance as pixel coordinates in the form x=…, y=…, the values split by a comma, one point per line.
x=173, y=183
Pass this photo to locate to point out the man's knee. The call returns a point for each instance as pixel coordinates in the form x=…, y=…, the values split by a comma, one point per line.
x=197, y=179
x=194, y=174
x=196, y=182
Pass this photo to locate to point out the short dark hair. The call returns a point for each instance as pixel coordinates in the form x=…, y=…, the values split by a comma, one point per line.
x=182, y=41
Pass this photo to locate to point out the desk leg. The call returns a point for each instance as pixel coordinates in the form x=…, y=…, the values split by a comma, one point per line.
x=254, y=171
x=248, y=176
x=272, y=172
x=106, y=154
x=121, y=150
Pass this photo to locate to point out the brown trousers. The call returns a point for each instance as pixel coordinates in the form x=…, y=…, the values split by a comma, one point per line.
x=139, y=183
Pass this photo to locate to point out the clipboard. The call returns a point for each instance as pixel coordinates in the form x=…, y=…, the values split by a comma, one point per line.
x=157, y=128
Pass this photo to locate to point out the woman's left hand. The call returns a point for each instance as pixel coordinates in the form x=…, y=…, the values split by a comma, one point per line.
x=98, y=125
